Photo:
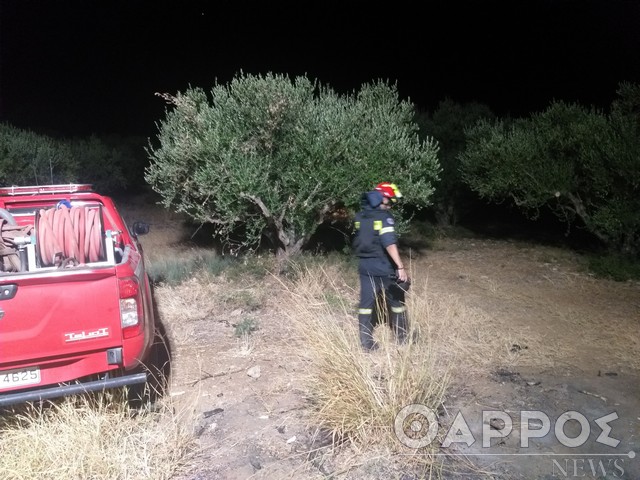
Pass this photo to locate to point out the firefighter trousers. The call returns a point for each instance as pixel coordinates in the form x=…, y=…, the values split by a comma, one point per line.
x=381, y=301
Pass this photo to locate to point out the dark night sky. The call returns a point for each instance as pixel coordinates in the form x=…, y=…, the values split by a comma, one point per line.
x=77, y=67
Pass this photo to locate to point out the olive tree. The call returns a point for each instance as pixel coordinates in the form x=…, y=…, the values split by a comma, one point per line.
x=579, y=162
x=274, y=157
x=447, y=126
x=102, y=165
x=27, y=158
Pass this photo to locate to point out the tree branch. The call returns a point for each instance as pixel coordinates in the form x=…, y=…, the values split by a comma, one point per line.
x=581, y=211
x=277, y=223
x=263, y=208
x=290, y=204
x=579, y=207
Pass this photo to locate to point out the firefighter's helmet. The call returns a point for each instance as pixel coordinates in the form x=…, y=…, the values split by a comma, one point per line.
x=389, y=190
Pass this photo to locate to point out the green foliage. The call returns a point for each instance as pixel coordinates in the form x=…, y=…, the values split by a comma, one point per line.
x=615, y=266
x=129, y=159
x=27, y=158
x=242, y=298
x=272, y=157
x=246, y=326
x=173, y=270
x=100, y=164
x=249, y=266
x=580, y=163
x=447, y=126
x=30, y=159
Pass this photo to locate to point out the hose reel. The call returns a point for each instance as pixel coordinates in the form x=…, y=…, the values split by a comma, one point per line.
x=60, y=237
x=69, y=235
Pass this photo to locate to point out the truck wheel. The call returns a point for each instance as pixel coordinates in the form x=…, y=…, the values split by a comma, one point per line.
x=156, y=366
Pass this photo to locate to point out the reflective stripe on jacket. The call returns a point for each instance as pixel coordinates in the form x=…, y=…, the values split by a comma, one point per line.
x=374, y=232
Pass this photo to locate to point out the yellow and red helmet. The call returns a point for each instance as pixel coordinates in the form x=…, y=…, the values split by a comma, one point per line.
x=389, y=190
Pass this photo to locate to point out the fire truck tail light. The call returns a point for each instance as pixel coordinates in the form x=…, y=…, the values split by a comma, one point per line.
x=129, y=312
x=128, y=287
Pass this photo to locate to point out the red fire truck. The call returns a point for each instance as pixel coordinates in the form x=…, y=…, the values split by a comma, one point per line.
x=76, y=310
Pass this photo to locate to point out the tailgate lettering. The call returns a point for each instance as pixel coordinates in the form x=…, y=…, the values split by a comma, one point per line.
x=77, y=336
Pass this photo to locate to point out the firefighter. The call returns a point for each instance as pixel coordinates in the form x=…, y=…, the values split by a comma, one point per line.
x=380, y=267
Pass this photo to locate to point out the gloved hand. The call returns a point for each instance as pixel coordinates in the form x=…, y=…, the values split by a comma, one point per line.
x=404, y=285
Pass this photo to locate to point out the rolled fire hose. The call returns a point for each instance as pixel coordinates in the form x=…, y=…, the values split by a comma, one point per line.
x=69, y=234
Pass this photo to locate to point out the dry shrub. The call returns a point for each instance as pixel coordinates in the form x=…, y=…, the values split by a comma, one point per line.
x=356, y=396
x=94, y=437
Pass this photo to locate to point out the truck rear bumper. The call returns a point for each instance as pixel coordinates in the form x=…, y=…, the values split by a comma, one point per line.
x=73, y=389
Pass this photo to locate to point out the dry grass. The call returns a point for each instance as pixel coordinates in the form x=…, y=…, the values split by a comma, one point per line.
x=536, y=307
x=355, y=397
x=94, y=437
x=464, y=337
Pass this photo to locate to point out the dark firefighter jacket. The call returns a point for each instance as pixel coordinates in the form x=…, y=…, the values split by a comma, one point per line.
x=375, y=230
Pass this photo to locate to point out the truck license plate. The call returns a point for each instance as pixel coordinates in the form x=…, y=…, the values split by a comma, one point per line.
x=19, y=377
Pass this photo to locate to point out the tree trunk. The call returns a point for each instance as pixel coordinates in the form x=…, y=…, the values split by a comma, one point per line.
x=446, y=214
x=630, y=244
x=287, y=250
x=581, y=211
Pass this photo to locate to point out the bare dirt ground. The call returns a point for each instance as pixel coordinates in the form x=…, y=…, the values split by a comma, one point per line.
x=572, y=344
x=577, y=342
